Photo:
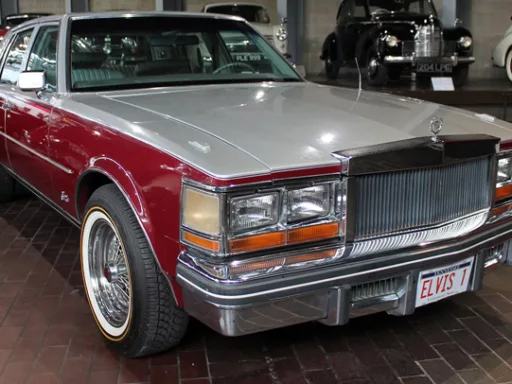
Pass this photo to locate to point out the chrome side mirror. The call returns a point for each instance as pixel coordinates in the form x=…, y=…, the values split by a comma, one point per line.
x=457, y=23
x=31, y=81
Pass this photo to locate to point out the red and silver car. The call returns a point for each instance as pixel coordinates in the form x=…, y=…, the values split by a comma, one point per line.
x=243, y=196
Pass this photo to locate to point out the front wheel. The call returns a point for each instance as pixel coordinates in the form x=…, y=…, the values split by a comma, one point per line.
x=130, y=298
x=460, y=75
x=376, y=71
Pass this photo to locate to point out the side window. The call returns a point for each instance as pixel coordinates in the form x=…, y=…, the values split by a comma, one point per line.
x=360, y=9
x=14, y=59
x=44, y=55
x=346, y=11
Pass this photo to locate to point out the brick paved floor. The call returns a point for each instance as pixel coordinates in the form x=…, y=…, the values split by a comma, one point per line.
x=47, y=334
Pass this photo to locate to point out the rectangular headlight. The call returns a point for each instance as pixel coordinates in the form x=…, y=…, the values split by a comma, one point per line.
x=309, y=203
x=201, y=211
x=504, y=170
x=254, y=212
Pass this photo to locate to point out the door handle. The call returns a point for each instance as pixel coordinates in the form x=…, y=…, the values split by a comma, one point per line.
x=7, y=107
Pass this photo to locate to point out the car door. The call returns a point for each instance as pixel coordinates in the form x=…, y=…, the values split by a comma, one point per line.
x=28, y=113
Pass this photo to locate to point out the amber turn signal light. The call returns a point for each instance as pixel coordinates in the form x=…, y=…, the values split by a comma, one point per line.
x=314, y=232
x=504, y=192
x=212, y=245
x=257, y=242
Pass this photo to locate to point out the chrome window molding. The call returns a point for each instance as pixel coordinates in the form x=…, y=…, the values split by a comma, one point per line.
x=416, y=153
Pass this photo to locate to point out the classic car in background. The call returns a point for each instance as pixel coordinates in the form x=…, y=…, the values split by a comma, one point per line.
x=259, y=18
x=502, y=56
x=11, y=21
x=262, y=200
x=390, y=37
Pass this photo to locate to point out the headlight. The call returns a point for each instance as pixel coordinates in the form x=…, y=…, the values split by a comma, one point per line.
x=307, y=203
x=253, y=212
x=282, y=34
x=504, y=170
x=392, y=41
x=224, y=225
x=201, y=211
x=465, y=42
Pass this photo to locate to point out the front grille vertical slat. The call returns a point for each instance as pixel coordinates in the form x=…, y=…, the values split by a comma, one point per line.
x=400, y=201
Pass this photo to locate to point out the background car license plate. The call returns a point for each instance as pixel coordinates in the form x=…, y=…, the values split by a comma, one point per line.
x=434, y=67
x=436, y=284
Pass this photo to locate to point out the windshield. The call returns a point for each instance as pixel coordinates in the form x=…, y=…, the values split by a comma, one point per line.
x=420, y=7
x=136, y=52
x=251, y=13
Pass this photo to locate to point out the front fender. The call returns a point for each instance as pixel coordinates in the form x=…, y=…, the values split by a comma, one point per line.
x=500, y=52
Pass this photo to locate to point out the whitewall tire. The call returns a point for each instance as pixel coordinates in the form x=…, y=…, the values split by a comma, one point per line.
x=508, y=64
x=130, y=298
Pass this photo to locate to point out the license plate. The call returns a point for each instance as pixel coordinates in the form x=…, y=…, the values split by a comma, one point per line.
x=246, y=57
x=437, y=284
x=434, y=67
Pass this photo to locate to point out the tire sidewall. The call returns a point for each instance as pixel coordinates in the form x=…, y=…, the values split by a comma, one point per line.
x=508, y=64
x=109, y=203
x=381, y=75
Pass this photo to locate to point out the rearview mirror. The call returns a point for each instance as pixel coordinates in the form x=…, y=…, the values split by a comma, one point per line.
x=31, y=81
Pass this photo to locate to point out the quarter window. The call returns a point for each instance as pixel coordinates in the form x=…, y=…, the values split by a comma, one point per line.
x=14, y=59
x=44, y=55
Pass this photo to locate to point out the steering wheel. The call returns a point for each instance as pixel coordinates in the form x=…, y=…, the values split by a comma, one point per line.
x=380, y=10
x=234, y=64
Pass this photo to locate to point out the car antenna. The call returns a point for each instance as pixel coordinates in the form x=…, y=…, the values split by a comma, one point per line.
x=360, y=87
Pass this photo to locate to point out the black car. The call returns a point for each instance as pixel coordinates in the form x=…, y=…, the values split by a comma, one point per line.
x=390, y=37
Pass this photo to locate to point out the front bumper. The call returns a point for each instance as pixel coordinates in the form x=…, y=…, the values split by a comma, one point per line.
x=326, y=294
x=413, y=60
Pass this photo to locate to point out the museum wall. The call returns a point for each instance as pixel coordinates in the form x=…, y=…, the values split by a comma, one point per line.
x=271, y=5
x=102, y=5
x=49, y=6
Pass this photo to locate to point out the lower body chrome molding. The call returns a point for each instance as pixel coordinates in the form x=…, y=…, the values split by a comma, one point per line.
x=334, y=294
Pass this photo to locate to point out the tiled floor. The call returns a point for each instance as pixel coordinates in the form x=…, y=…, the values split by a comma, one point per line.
x=47, y=334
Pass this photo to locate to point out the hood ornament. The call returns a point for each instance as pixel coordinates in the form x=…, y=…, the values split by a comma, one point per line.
x=436, y=125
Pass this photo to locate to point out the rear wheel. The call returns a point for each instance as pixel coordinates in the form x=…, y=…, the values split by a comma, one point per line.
x=130, y=298
x=508, y=64
x=376, y=71
x=460, y=75
x=8, y=186
x=332, y=68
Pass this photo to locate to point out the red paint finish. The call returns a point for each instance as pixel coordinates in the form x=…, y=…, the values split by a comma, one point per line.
x=27, y=123
x=150, y=178
x=506, y=145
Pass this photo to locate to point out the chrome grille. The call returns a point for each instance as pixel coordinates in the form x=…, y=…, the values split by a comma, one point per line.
x=376, y=289
x=395, y=202
x=428, y=41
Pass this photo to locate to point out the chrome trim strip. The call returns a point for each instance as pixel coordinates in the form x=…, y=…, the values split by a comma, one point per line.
x=42, y=157
x=411, y=263
x=42, y=197
x=441, y=60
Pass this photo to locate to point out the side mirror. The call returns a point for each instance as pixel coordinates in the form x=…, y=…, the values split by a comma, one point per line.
x=457, y=23
x=31, y=81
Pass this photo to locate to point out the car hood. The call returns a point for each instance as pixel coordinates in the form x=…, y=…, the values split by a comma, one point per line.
x=285, y=126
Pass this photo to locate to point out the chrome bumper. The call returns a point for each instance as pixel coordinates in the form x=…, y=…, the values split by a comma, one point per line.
x=455, y=60
x=328, y=294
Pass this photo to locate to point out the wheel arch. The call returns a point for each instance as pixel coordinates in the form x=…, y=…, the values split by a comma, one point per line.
x=103, y=171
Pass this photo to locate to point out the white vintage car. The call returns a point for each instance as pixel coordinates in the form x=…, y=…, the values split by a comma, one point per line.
x=502, y=56
x=257, y=16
